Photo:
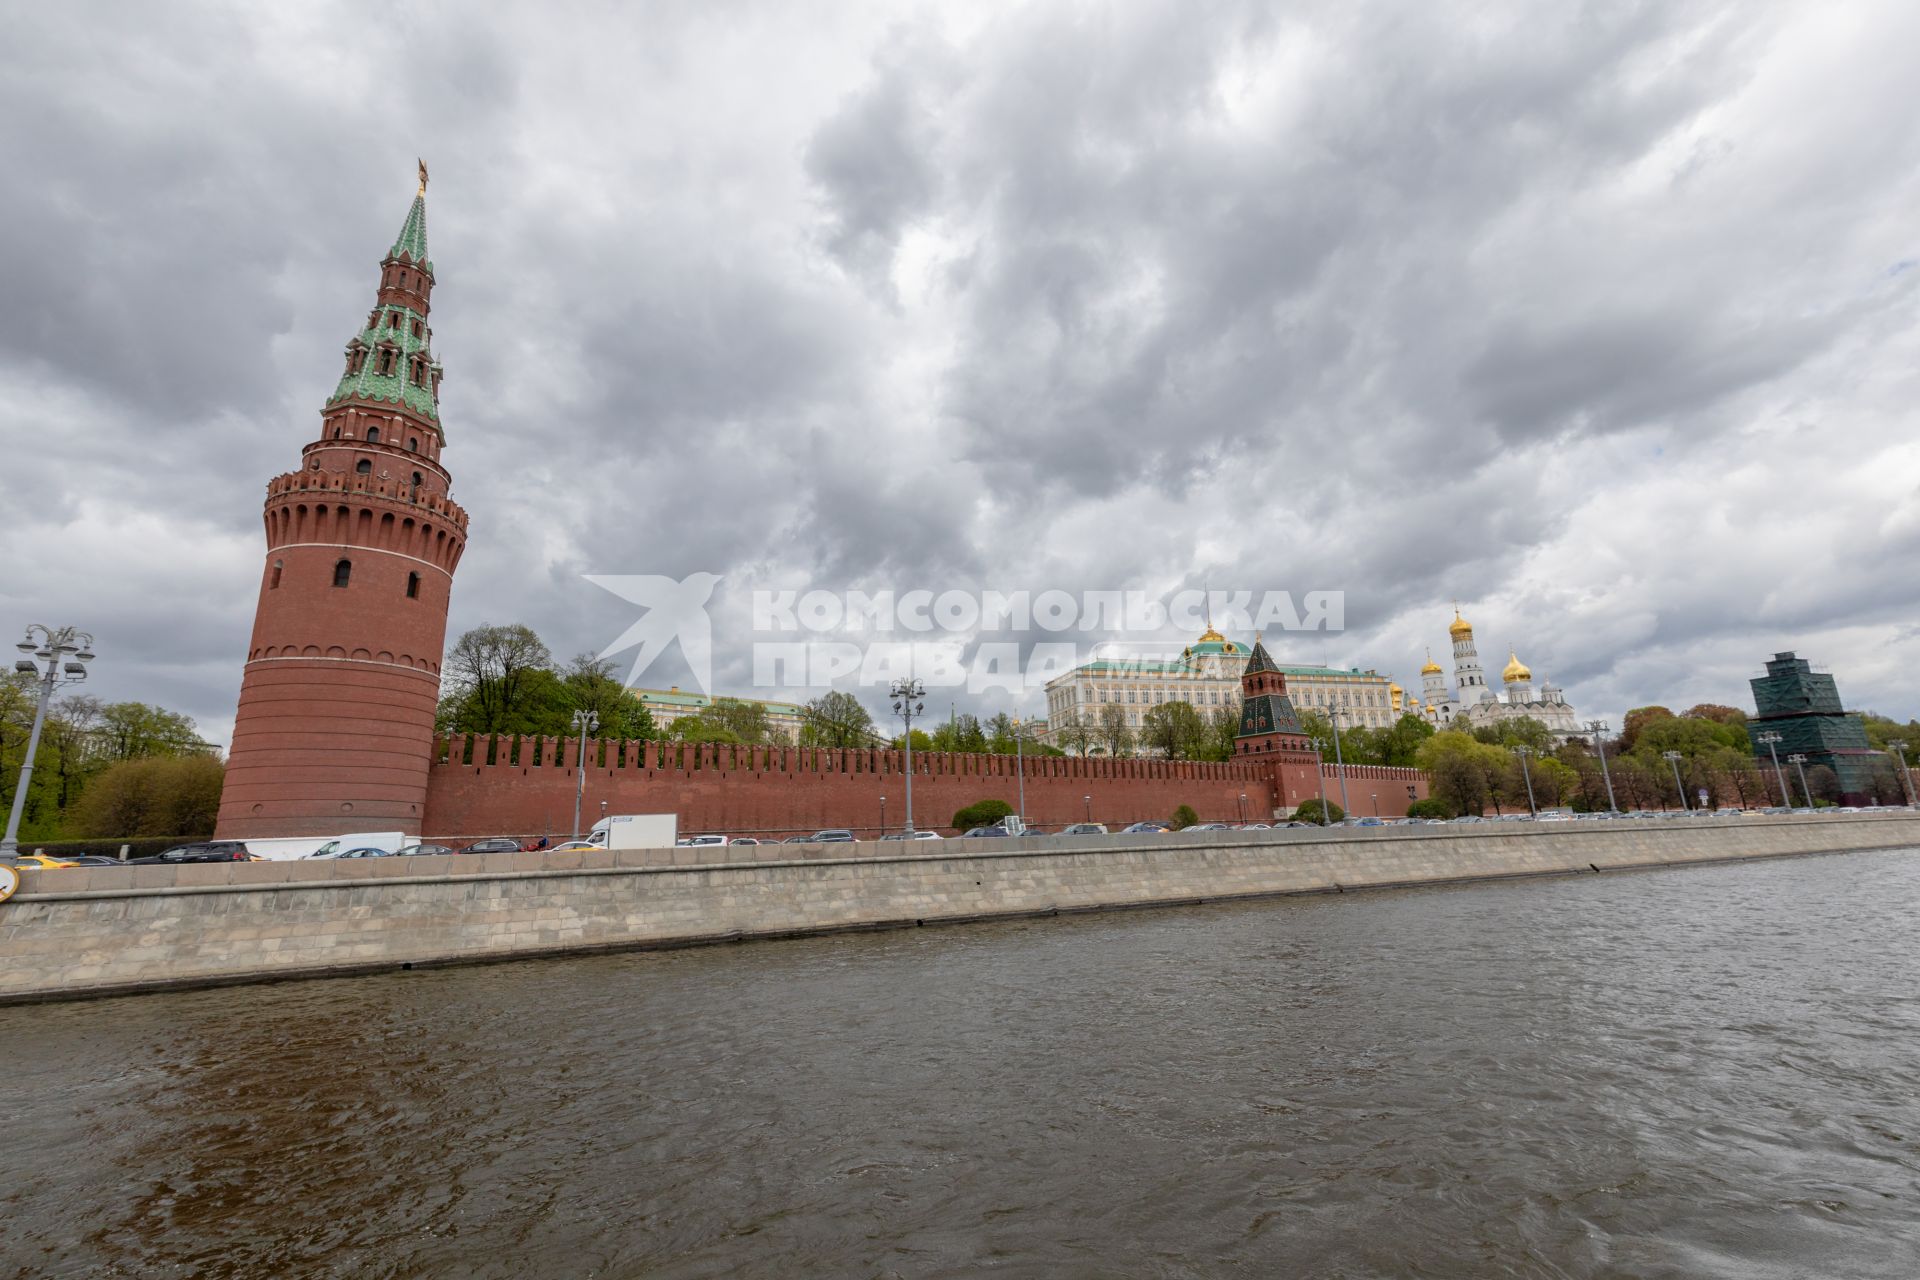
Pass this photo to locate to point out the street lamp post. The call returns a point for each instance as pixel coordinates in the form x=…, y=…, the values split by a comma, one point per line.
x=1243, y=808
x=1599, y=729
x=1020, y=766
x=908, y=701
x=1773, y=747
x=66, y=652
x=1673, y=759
x=1376, y=802
x=1906, y=779
x=584, y=722
x=1526, y=754
x=1339, y=764
x=1799, y=762
x=1088, y=801
x=1320, y=775
x=883, y=815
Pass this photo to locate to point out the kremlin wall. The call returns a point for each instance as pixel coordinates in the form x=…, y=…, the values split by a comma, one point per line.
x=482, y=786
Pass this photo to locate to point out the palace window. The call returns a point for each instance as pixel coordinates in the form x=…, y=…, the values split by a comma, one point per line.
x=341, y=572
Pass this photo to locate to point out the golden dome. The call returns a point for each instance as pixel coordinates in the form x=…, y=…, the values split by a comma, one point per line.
x=1210, y=636
x=1460, y=627
x=1516, y=669
x=1432, y=668
x=1395, y=689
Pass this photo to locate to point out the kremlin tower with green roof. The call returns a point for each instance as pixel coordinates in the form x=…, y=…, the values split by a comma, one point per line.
x=335, y=723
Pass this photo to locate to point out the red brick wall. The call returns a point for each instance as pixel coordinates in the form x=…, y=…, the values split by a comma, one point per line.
x=528, y=788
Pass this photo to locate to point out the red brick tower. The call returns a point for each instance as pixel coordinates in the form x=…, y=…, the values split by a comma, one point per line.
x=335, y=725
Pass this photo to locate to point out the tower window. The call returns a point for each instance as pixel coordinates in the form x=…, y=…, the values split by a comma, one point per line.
x=418, y=329
x=363, y=467
x=274, y=581
x=373, y=435
x=413, y=586
x=416, y=479
x=336, y=433
x=341, y=572
x=413, y=443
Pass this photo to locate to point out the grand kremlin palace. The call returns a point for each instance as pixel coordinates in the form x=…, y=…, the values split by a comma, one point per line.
x=1207, y=674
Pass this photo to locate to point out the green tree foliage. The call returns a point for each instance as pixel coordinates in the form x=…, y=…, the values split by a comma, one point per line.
x=922, y=741
x=962, y=733
x=1432, y=807
x=592, y=686
x=730, y=720
x=1183, y=817
x=1463, y=771
x=1114, y=734
x=1402, y=743
x=1173, y=730
x=1311, y=811
x=1882, y=730
x=499, y=679
x=1077, y=732
x=1715, y=711
x=155, y=796
x=1217, y=742
x=835, y=719
x=981, y=813
x=1637, y=720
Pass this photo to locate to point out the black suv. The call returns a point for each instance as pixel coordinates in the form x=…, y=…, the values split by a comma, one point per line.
x=200, y=851
x=494, y=844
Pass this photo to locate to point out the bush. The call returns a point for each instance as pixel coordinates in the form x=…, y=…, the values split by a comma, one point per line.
x=154, y=796
x=1309, y=811
x=981, y=813
x=1430, y=808
x=1183, y=817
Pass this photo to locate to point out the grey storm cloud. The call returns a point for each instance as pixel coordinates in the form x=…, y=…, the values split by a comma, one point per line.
x=1593, y=319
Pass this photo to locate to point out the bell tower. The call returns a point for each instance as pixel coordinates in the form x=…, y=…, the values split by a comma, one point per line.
x=335, y=725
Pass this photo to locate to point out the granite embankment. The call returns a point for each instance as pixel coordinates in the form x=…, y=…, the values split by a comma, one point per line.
x=92, y=931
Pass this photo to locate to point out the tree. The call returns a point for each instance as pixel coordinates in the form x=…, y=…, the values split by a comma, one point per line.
x=1463, y=771
x=154, y=796
x=1429, y=808
x=1638, y=719
x=592, y=686
x=1183, y=817
x=741, y=721
x=1076, y=732
x=131, y=730
x=1718, y=712
x=921, y=741
x=1114, y=734
x=489, y=674
x=1000, y=733
x=835, y=719
x=1311, y=811
x=981, y=813
x=1174, y=729
x=696, y=728
x=1403, y=741
x=1222, y=727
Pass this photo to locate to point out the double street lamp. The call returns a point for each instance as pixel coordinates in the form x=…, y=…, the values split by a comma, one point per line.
x=66, y=651
x=1906, y=779
x=1526, y=753
x=1773, y=747
x=1599, y=728
x=909, y=701
x=1673, y=758
x=1320, y=775
x=1340, y=765
x=584, y=722
x=1020, y=766
x=1799, y=762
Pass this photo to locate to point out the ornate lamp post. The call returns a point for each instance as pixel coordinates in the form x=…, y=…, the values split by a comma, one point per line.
x=1526, y=753
x=908, y=701
x=1020, y=766
x=1799, y=762
x=1673, y=759
x=883, y=815
x=1773, y=747
x=1320, y=775
x=66, y=651
x=1906, y=779
x=584, y=722
x=1340, y=765
x=1599, y=729
x=1088, y=801
x=1243, y=808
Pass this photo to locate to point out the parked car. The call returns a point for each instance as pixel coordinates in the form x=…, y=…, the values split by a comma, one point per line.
x=832, y=835
x=1142, y=828
x=365, y=851
x=797, y=840
x=421, y=850
x=494, y=844
x=911, y=835
x=39, y=861
x=1210, y=826
x=707, y=841
x=1085, y=829
x=747, y=840
x=1256, y=826
x=199, y=851
x=978, y=832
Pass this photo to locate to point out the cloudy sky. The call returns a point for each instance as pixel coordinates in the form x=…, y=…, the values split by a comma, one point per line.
x=1599, y=319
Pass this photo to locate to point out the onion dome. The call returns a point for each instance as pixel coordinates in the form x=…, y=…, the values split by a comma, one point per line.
x=1461, y=627
x=1516, y=669
x=1432, y=668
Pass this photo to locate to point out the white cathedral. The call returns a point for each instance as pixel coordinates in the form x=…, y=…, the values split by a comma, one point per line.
x=1471, y=703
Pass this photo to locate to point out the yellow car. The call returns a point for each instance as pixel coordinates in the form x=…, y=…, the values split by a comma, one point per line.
x=39, y=860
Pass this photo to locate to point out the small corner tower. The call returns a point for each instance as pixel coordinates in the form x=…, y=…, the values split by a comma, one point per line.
x=1268, y=725
x=335, y=726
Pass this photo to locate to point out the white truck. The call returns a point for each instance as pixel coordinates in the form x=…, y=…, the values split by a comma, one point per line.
x=286, y=848
x=636, y=831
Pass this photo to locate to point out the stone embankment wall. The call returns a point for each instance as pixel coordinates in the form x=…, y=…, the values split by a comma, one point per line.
x=487, y=786
x=89, y=931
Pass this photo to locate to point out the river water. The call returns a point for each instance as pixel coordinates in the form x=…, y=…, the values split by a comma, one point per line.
x=1705, y=1072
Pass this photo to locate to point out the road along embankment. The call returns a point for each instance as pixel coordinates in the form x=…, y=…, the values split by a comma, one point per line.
x=90, y=931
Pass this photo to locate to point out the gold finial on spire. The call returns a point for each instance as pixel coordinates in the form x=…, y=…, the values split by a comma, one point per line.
x=423, y=175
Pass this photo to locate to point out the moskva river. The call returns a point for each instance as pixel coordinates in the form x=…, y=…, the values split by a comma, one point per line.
x=1707, y=1072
